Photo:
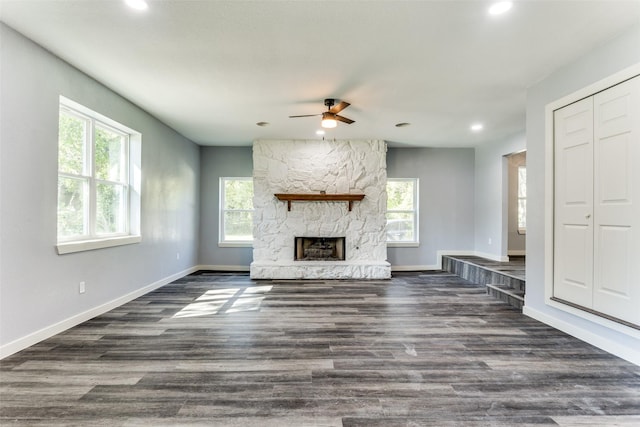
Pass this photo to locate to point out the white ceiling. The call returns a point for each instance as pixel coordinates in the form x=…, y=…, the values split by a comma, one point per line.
x=213, y=69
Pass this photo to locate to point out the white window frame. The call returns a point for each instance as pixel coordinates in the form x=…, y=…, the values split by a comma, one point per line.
x=222, y=241
x=416, y=215
x=133, y=149
x=522, y=230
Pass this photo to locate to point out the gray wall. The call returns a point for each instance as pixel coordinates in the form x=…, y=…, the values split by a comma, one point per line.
x=39, y=288
x=446, y=196
x=491, y=176
x=214, y=163
x=446, y=200
x=608, y=59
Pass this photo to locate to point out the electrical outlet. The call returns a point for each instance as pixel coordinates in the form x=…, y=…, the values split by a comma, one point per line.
x=489, y=240
x=178, y=255
x=82, y=287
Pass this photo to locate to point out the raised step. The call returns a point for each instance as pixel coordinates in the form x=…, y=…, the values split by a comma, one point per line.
x=502, y=282
x=511, y=296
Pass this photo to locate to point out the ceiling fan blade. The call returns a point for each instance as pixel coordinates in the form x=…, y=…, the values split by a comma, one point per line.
x=305, y=115
x=337, y=108
x=343, y=119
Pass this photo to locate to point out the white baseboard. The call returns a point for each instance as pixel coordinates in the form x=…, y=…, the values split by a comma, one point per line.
x=44, y=333
x=493, y=257
x=414, y=267
x=242, y=268
x=608, y=345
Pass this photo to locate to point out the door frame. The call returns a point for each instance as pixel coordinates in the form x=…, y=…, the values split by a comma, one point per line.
x=506, y=183
x=585, y=92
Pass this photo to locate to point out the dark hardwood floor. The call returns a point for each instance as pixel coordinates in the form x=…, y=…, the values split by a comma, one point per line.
x=219, y=349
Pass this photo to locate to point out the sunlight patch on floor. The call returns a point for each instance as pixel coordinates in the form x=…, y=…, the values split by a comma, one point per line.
x=227, y=301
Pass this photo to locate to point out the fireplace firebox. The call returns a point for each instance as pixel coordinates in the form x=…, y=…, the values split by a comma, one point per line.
x=319, y=249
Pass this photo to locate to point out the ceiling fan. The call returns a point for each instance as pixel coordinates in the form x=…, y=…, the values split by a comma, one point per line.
x=330, y=118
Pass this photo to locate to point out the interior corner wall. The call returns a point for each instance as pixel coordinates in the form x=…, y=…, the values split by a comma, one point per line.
x=216, y=162
x=39, y=290
x=446, y=216
x=614, y=56
x=490, y=182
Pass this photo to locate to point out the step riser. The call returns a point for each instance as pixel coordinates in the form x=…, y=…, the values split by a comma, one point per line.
x=509, y=299
x=479, y=275
x=510, y=296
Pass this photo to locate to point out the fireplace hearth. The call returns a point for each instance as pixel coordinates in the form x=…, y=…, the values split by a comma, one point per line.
x=319, y=249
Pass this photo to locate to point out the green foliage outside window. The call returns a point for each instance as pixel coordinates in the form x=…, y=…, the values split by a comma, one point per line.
x=72, y=207
x=401, y=210
x=238, y=209
x=78, y=186
x=109, y=155
x=73, y=189
x=399, y=195
x=110, y=164
x=238, y=193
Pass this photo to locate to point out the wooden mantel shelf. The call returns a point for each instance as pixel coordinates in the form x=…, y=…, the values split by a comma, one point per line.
x=319, y=197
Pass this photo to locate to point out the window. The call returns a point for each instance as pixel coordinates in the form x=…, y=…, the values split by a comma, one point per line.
x=236, y=211
x=522, y=199
x=402, y=211
x=98, y=180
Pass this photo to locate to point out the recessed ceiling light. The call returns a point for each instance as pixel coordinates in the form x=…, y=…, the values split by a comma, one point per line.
x=500, y=7
x=137, y=4
x=262, y=124
x=320, y=132
x=477, y=127
x=403, y=124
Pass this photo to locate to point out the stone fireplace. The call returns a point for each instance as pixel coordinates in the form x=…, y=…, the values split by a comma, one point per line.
x=331, y=189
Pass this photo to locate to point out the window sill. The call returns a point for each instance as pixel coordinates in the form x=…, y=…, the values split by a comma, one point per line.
x=89, y=245
x=403, y=244
x=235, y=244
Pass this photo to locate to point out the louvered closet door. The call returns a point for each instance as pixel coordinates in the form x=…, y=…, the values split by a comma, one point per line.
x=573, y=234
x=617, y=201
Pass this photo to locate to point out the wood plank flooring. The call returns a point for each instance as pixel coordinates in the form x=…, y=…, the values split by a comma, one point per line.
x=215, y=349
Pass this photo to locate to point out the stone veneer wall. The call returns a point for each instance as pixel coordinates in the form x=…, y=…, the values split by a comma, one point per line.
x=312, y=167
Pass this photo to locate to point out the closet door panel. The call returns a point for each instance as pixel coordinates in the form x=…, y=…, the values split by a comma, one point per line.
x=617, y=201
x=573, y=235
x=613, y=283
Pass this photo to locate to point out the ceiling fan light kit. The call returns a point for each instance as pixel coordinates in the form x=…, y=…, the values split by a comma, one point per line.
x=328, y=120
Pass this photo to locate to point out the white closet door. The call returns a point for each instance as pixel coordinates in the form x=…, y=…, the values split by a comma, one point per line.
x=617, y=201
x=573, y=234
